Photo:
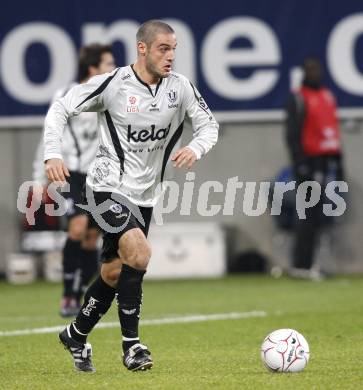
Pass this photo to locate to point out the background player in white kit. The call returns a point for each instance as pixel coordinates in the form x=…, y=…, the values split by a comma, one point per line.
x=141, y=109
x=79, y=147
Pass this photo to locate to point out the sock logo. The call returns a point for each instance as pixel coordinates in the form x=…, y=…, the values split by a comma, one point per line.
x=90, y=306
x=129, y=312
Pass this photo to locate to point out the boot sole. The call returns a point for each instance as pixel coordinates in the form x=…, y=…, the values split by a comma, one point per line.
x=144, y=367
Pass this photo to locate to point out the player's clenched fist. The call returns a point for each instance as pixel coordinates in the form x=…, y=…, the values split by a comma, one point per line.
x=56, y=170
x=184, y=156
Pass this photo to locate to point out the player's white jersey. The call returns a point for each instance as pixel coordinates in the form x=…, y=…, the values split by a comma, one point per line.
x=79, y=144
x=139, y=128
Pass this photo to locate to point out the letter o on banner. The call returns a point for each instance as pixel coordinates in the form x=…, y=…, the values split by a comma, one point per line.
x=341, y=54
x=63, y=59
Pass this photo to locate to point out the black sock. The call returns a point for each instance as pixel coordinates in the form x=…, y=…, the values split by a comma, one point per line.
x=71, y=263
x=129, y=297
x=76, y=334
x=128, y=343
x=97, y=301
x=89, y=268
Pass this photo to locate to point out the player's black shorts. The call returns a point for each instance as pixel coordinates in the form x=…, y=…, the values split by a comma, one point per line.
x=77, y=182
x=116, y=219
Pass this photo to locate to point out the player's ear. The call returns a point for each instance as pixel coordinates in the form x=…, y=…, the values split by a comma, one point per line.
x=93, y=71
x=141, y=48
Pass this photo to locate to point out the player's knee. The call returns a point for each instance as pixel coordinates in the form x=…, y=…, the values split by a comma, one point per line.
x=143, y=258
x=110, y=275
x=139, y=256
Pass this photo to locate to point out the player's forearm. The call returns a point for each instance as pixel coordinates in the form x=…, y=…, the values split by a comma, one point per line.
x=204, y=139
x=38, y=171
x=55, y=122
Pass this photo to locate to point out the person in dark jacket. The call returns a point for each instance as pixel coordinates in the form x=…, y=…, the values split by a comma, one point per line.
x=314, y=143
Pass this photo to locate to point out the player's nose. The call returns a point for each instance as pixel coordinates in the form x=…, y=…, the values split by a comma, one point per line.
x=171, y=56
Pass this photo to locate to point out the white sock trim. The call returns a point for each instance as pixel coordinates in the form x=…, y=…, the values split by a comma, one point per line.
x=130, y=339
x=68, y=331
x=82, y=334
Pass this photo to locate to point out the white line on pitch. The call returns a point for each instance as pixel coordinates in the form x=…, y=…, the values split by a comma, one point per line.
x=156, y=321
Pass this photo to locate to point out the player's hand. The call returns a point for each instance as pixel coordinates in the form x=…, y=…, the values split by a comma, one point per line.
x=56, y=170
x=184, y=157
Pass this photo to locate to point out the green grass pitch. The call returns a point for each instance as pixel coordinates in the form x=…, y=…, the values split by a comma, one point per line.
x=223, y=354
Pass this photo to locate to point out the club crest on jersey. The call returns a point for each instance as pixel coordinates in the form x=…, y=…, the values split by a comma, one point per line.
x=172, y=96
x=132, y=103
x=116, y=208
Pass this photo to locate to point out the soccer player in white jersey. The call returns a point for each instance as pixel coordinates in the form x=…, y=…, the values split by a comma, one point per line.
x=79, y=147
x=141, y=109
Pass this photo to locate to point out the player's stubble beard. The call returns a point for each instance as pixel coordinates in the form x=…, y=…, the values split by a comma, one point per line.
x=153, y=69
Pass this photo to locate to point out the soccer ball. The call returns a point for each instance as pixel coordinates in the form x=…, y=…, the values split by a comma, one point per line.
x=285, y=350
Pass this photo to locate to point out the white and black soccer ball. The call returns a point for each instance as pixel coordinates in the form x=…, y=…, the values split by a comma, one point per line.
x=285, y=350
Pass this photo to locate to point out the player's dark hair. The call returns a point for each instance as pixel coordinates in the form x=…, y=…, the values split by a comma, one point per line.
x=147, y=31
x=90, y=55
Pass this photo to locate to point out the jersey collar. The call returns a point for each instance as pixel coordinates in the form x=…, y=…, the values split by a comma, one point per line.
x=145, y=84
